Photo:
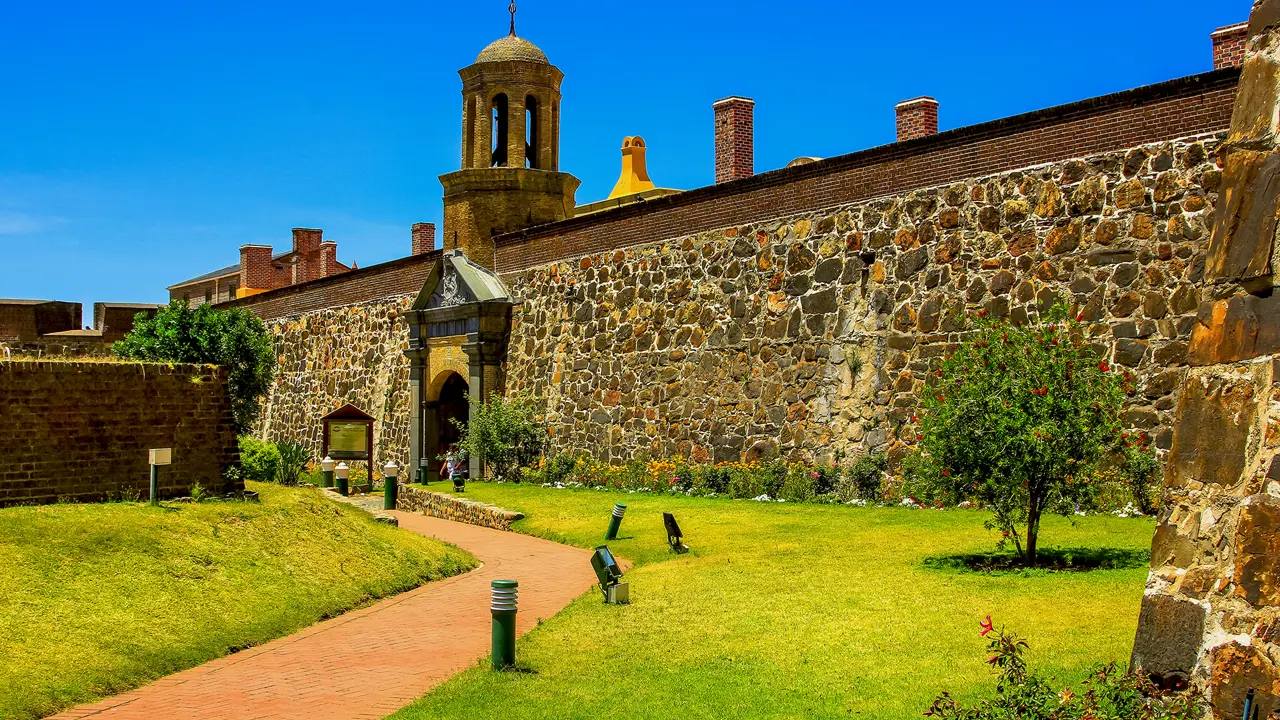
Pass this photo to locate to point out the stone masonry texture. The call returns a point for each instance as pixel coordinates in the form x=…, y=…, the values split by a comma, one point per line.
x=81, y=430
x=440, y=505
x=348, y=354
x=1211, y=609
x=814, y=332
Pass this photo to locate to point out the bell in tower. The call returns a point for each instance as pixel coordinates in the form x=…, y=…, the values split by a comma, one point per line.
x=510, y=177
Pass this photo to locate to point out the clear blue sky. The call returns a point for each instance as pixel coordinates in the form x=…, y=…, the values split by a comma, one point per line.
x=142, y=142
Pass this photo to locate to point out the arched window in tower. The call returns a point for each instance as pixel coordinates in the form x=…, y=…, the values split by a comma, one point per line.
x=469, y=132
x=532, y=130
x=499, y=154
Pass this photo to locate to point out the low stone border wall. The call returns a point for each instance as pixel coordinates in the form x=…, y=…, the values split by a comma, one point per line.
x=371, y=504
x=472, y=512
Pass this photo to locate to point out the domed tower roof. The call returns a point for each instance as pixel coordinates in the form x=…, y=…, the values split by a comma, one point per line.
x=512, y=47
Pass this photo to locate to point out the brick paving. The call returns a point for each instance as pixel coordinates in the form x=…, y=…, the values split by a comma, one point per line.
x=370, y=662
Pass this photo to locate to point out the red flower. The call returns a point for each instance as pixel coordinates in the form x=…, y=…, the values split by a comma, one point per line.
x=815, y=474
x=986, y=627
x=1104, y=367
x=941, y=399
x=946, y=473
x=1080, y=317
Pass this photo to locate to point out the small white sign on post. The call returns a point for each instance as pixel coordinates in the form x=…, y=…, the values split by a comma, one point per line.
x=162, y=456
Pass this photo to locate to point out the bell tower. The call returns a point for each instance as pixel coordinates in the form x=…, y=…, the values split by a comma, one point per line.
x=510, y=178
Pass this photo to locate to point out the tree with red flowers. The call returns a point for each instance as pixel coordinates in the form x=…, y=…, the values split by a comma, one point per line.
x=1016, y=418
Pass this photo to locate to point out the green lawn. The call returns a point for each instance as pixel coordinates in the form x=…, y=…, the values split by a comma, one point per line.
x=791, y=611
x=102, y=598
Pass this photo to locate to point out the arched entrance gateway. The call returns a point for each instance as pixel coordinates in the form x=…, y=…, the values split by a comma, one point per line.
x=459, y=327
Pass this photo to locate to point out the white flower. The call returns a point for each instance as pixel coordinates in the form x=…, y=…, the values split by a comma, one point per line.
x=762, y=498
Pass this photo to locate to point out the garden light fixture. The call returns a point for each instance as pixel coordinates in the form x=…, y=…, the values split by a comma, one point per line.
x=610, y=577
x=675, y=538
x=619, y=509
x=342, y=471
x=502, y=604
x=390, y=485
x=326, y=472
x=158, y=457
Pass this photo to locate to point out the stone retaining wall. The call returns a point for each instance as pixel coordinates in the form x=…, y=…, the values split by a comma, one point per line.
x=434, y=504
x=810, y=335
x=81, y=430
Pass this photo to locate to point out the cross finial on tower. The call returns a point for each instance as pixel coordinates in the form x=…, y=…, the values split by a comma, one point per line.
x=512, y=9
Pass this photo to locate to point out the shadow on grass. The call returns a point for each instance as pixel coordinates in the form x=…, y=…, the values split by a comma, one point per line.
x=1047, y=560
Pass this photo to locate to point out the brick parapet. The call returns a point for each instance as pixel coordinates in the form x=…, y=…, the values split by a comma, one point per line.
x=81, y=430
x=385, y=280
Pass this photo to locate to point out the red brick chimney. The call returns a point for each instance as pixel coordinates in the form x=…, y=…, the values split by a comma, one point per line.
x=306, y=254
x=917, y=118
x=735, y=138
x=1228, y=45
x=255, y=267
x=424, y=238
x=328, y=258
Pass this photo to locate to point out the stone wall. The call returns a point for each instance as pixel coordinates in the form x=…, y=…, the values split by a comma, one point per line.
x=812, y=333
x=418, y=500
x=1211, y=610
x=330, y=357
x=81, y=430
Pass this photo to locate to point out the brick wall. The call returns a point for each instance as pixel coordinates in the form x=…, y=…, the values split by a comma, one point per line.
x=1178, y=108
x=22, y=320
x=385, y=280
x=81, y=431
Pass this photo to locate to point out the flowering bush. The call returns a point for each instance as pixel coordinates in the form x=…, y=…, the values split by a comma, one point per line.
x=1016, y=419
x=1112, y=692
x=772, y=479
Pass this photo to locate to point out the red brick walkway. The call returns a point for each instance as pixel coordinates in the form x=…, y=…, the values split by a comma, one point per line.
x=371, y=662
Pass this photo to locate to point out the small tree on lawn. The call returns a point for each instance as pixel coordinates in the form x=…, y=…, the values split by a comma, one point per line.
x=504, y=433
x=1016, y=419
x=235, y=338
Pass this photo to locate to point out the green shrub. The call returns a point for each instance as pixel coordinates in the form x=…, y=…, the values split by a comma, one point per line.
x=800, y=484
x=505, y=434
x=1112, y=692
x=259, y=459
x=293, y=462
x=1016, y=419
x=559, y=468
x=1141, y=471
x=234, y=338
x=864, y=479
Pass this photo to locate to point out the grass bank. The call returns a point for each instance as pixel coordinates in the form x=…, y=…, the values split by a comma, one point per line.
x=103, y=598
x=793, y=611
